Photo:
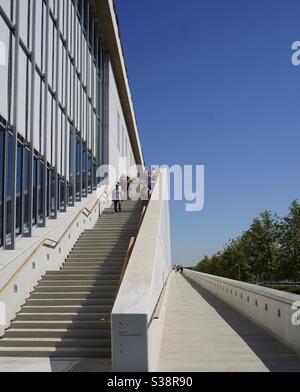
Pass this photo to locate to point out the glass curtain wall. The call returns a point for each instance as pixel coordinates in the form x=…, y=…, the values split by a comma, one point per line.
x=50, y=114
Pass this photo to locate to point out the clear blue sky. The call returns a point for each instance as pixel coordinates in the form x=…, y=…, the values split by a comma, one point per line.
x=213, y=83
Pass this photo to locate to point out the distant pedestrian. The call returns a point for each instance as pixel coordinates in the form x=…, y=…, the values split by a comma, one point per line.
x=129, y=182
x=123, y=184
x=149, y=185
x=117, y=198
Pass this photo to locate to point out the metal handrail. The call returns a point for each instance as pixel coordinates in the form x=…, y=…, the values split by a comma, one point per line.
x=44, y=240
x=128, y=254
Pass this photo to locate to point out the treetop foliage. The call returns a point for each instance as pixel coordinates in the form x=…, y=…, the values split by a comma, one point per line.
x=268, y=251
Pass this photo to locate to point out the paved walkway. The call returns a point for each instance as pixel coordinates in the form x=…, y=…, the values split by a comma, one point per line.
x=203, y=334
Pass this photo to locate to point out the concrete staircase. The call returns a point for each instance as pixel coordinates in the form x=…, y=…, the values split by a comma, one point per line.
x=68, y=313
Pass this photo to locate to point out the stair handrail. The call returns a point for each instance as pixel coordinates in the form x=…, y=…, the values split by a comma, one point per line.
x=44, y=240
x=127, y=257
x=85, y=211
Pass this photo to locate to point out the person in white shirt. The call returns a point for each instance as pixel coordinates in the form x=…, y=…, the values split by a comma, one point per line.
x=117, y=198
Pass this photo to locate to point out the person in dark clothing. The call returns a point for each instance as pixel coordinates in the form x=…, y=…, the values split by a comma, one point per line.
x=129, y=182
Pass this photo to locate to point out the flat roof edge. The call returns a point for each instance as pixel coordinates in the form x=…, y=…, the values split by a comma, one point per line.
x=106, y=13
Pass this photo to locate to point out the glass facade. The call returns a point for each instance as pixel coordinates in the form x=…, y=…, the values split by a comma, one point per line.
x=2, y=132
x=50, y=111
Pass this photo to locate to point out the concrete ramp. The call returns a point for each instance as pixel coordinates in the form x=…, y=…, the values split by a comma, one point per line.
x=203, y=334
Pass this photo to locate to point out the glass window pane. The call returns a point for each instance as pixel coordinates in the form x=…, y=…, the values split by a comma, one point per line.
x=78, y=168
x=19, y=189
x=62, y=194
x=41, y=190
x=90, y=174
x=9, y=189
x=71, y=167
x=24, y=25
x=26, y=159
x=5, y=70
x=7, y=7
x=84, y=169
x=34, y=191
x=53, y=205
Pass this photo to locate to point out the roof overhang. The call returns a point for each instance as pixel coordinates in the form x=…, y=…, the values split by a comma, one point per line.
x=109, y=28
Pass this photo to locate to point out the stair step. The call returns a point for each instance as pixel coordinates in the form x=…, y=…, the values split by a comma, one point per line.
x=69, y=295
x=95, y=259
x=83, y=255
x=100, y=263
x=63, y=316
x=103, y=235
x=84, y=243
x=108, y=231
x=66, y=309
x=91, y=271
x=110, y=228
x=57, y=333
x=83, y=282
x=55, y=342
x=63, y=352
x=124, y=224
x=95, y=248
x=102, y=246
x=69, y=312
x=74, y=289
x=70, y=301
x=95, y=267
x=94, y=252
x=64, y=324
x=81, y=277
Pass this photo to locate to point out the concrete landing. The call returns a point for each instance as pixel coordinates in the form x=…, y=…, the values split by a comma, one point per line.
x=203, y=334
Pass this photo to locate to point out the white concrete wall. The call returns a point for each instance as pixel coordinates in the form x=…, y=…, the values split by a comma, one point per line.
x=45, y=259
x=261, y=305
x=120, y=151
x=133, y=330
x=120, y=50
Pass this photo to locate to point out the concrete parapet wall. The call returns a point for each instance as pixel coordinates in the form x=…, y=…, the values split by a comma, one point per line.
x=133, y=334
x=273, y=310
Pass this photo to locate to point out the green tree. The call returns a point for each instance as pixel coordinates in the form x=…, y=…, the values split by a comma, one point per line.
x=289, y=238
x=251, y=257
x=260, y=247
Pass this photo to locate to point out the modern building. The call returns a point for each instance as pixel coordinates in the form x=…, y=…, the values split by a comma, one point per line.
x=66, y=259
x=78, y=280
x=65, y=109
